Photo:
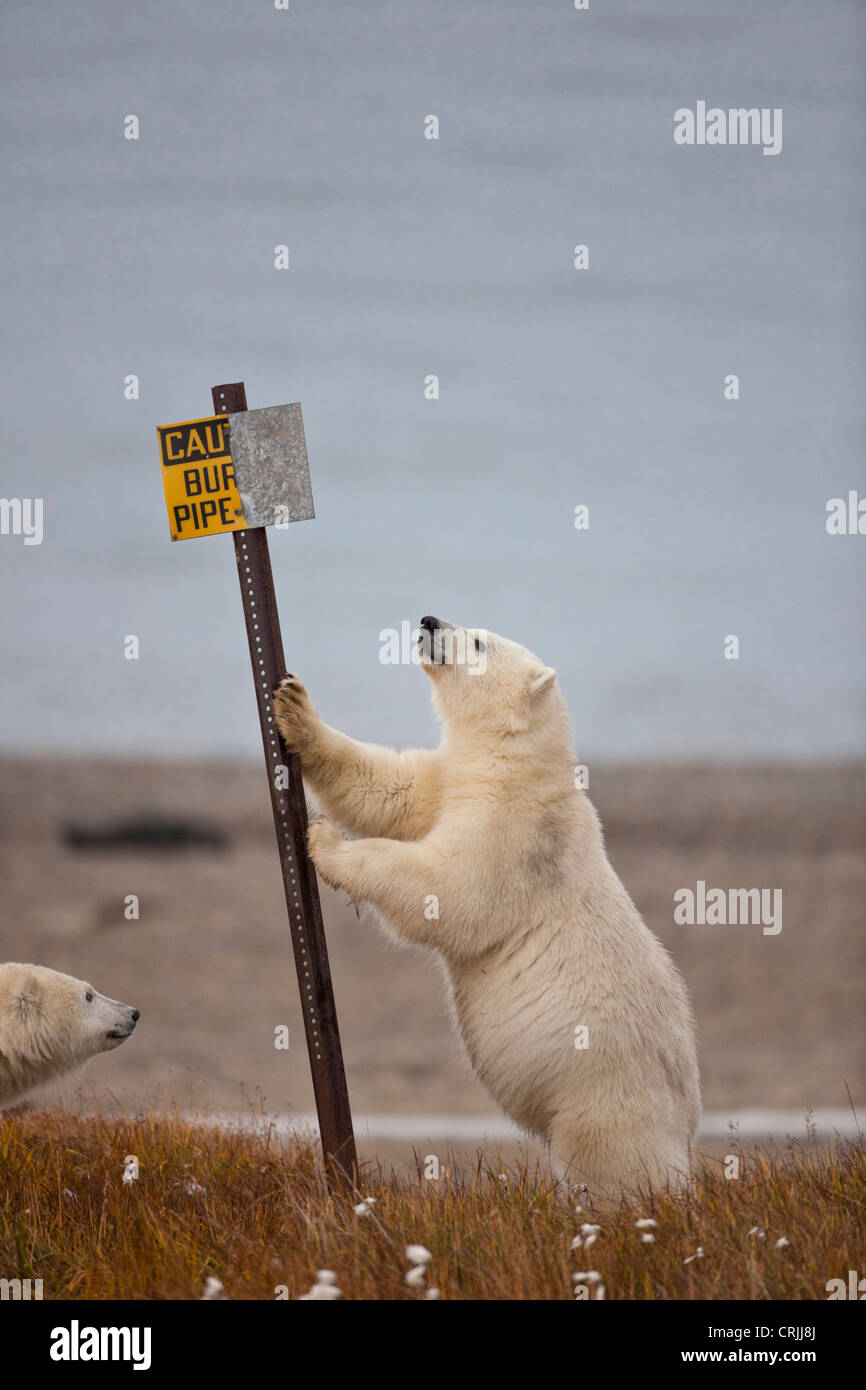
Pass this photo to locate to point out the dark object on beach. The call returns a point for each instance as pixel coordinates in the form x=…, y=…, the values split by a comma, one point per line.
x=147, y=832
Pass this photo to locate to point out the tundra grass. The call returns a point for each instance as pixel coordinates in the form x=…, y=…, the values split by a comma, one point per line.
x=253, y=1211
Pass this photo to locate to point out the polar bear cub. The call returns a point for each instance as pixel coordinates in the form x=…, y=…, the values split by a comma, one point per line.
x=572, y=1014
x=50, y=1024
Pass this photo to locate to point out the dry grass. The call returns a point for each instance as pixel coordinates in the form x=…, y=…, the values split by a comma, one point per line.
x=255, y=1213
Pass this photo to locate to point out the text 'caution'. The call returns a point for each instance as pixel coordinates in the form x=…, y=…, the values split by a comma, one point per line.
x=199, y=479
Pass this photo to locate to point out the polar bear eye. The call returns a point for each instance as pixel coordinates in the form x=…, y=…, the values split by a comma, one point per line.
x=89, y=996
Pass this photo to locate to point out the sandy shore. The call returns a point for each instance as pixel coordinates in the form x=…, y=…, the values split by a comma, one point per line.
x=209, y=961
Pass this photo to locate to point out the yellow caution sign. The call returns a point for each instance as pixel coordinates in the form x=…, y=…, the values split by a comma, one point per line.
x=199, y=478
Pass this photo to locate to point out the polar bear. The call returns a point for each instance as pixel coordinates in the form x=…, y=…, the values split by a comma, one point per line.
x=572, y=1014
x=50, y=1024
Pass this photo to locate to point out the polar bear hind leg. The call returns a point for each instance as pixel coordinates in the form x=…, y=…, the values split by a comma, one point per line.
x=613, y=1164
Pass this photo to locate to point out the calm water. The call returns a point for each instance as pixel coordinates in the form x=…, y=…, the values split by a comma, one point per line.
x=411, y=257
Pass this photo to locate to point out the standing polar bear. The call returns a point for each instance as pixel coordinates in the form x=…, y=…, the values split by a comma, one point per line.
x=572, y=1013
x=51, y=1024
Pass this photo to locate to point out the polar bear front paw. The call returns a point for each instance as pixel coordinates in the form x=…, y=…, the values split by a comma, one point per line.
x=296, y=718
x=325, y=842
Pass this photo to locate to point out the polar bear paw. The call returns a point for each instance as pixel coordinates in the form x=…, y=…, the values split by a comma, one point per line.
x=325, y=843
x=296, y=718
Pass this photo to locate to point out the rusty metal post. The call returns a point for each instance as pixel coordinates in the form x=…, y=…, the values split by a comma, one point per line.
x=290, y=819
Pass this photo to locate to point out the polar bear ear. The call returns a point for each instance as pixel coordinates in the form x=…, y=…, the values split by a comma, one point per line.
x=27, y=998
x=542, y=680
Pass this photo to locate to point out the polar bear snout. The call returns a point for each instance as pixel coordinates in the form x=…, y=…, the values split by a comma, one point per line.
x=430, y=645
x=124, y=1027
x=439, y=642
x=110, y=1022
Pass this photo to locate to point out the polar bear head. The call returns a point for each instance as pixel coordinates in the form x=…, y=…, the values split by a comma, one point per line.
x=486, y=683
x=51, y=1023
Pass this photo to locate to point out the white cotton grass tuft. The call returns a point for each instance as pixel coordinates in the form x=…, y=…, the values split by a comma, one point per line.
x=364, y=1208
x=130, y=1169
x=192, y=1188
x=589, y=1234
x=213, y=1290
x=418, y=1255
x=782, y=1242
x=324, y=1290
x=756, y=1231
x=589, y=1276
x=419, y=1258
x=321, y=1293
x=648, y=1239
x=698, y=1255
x=646, y=1223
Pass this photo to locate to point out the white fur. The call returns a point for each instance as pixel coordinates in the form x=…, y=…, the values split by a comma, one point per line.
x=536, y=932
x=48, y=1026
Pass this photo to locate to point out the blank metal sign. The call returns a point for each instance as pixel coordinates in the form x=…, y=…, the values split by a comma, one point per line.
x=272, y=473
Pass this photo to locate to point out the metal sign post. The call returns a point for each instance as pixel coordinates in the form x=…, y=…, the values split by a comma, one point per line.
x=256, y=464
